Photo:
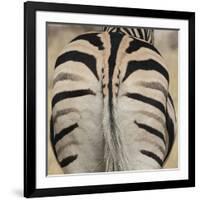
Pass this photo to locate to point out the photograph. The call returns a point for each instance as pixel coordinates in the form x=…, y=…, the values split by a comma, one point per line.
x=112, y=98
x=109, y=98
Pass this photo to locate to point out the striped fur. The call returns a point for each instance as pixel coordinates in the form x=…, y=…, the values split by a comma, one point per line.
x=140, y=33
x=111, y=108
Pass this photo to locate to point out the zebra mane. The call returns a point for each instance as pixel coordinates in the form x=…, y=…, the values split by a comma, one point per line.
x=146, y=34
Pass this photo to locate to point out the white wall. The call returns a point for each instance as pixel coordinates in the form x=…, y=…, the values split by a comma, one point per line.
x=11, y=101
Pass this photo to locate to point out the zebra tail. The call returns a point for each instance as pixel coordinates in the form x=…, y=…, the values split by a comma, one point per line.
x=114, y=149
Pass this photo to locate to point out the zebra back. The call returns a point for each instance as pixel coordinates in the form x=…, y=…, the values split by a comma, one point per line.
x=146, y=34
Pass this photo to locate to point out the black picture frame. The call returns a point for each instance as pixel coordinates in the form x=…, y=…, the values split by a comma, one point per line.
x=30, y=9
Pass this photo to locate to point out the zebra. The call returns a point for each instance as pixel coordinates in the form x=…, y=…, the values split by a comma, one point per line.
x=111, y=106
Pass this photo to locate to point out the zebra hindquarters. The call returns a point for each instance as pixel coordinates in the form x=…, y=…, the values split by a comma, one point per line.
x=141, y=109
x=77, y=114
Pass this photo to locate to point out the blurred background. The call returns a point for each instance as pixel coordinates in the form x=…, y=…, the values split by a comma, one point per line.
x=59, y=35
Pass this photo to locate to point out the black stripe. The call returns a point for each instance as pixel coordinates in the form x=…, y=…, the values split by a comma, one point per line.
x=92, y=38
x=88, y=60
x=64, y=132
x=151, y=130
x=118, y=30
x=171, y=101
x=145, y=65
x=68, y=160
x=147, y=100
x=70, y=94
x=105, y=28
x=153, y=156
x=136, y=44
x=145, y=34
x=140, y=33
x=170, y=131
x=115, y=39
x=133, y=32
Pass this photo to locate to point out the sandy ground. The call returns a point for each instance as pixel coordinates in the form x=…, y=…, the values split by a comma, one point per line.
x=165, y=40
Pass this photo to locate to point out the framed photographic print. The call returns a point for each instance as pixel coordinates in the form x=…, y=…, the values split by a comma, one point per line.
x=109, y=99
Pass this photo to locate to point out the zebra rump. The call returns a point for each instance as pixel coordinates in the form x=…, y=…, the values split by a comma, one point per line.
x=111, y=108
